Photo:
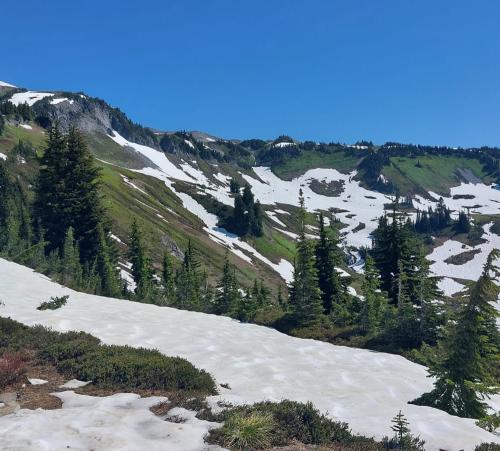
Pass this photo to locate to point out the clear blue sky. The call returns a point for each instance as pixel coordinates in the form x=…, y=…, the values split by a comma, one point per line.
x=412, y=71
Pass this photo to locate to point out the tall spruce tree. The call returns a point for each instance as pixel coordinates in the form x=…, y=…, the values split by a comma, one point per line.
x=105, y=267
x=467, y=373
x=189, y=281
x=228, y=296
x=305, y=294
x=142, y=271
x=71, y=269
x=328, y=256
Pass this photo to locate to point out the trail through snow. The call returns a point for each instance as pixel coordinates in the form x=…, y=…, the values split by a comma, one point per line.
x=364, y=388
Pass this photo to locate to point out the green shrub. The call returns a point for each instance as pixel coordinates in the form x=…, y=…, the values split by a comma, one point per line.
x=488, y=447
x=286, y=421
x=82, y=356
x=242, y=431
x=54, y=303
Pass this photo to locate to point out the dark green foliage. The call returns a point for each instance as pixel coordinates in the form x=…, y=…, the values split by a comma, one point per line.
x=55, y=303
x=142, y=270
x=247, y=215
x=463, y=224
x=487, y=447
x=234, y=186
x=189, y=282
x=82, y=356
x=403, y=439
x=468, y=371
x=328, y=256
x=289, y=421
x=431, y=221
x=305, y=294
x=228, y=296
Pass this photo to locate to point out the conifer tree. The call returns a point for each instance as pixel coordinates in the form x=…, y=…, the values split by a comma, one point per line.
x=67, y=194
x=142, y=271
x=403, y=439
x=328, y=256
x=168, y=277
x=305, y=294
x=375, y=306
x=189, y=282
x=227, y=296
x=466, y=375
x=110, y=283
x=71, y=269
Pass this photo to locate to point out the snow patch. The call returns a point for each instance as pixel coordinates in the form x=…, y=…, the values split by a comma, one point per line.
x=364, y=388
x=29, y=97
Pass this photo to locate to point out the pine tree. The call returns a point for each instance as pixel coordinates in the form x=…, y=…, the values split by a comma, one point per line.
x=328, y=256
x=227, y=297
x=375, y=305
x=105, y=267
x=67, y=194
x=71, y=269
x=466, y=375
x=403, y=439
x=305, y=294
x=168, y=277
x=189, y=282
x=142, y=271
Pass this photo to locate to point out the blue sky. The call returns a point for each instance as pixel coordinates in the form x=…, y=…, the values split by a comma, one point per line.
x=411, y=71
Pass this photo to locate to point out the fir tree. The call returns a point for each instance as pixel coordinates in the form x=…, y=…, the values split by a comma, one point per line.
x=305, y=294
x=328, y=256
x=142, y=271
x=403, y=439
x=71, y=270
x=466, y=375
x=189, y=282
x=168, y=277
x=105, y=267
x=227, y=297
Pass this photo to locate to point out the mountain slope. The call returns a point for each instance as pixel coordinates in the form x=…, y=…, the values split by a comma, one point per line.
x=361, y=387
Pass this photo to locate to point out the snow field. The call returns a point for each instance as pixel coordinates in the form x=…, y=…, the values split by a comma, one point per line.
x=364, y=388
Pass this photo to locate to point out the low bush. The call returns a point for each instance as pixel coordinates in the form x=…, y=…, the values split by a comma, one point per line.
x=82, y=356
x=54, y=303
x=488, y=447
x=12, y=367
x=278, y=424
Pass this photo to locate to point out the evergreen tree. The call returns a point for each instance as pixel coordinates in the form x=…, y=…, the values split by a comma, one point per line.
x=168, y=277
x=227, y=296
x=463, y=223
x=142, y=271
x=403, y=439
x=189, y=282
x=328, y=256
x=67, y=194
x=466, y=375
x=105, y=267
x=375, y=305
x=71, y=270
x=234, y=186
x=305, y=294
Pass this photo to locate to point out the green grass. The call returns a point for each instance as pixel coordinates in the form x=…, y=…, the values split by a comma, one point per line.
x=437, y=173
x=310, y=159
x=274, y=245
x=12, y=135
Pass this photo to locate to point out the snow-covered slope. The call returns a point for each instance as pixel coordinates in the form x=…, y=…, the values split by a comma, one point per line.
x=119, y=422
x=364, y=388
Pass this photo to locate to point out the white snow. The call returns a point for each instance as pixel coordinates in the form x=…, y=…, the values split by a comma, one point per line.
x=272, y=190
x=364, y=388
x=35, y=381
x=272, y=215
x=117, y=239
x=470, y=270
x=29, y=97
x=189, y=143
x=3, y=156
x=119, y=422
x=60, y=100
x=74, y=383
x=283, y=144
x=26, y=126
x=7, y=85
x=450, y=286
x=168, y=172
